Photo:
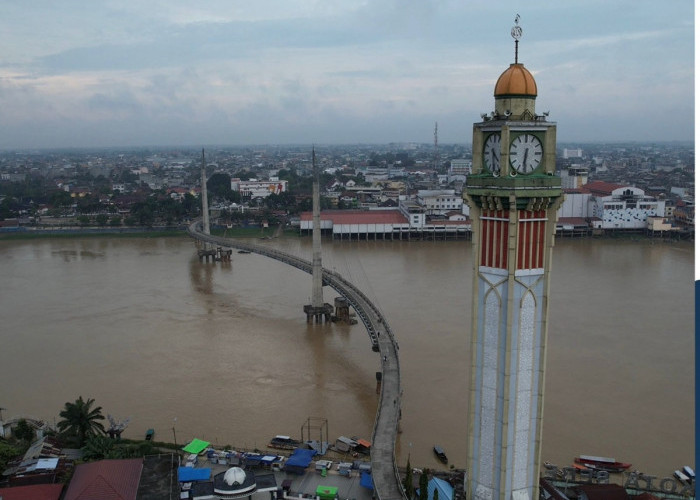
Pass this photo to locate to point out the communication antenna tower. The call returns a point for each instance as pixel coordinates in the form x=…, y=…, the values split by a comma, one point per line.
x=436, y=151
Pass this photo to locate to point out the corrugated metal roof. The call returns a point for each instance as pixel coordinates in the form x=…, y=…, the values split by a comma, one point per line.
x=573, y=221
x=32, y=492
x=445, y=490
x=106, y=480
x=600, y=188
x=359, y=217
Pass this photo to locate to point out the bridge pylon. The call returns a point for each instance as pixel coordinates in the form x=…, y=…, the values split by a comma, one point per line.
x=317, y=310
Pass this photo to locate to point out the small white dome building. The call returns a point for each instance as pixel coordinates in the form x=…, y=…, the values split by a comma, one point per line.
x=234, y=483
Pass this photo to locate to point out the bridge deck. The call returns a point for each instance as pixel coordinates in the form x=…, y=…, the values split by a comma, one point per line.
x=387, y=482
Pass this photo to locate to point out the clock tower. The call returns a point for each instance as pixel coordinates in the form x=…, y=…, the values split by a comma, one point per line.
x=513, y=197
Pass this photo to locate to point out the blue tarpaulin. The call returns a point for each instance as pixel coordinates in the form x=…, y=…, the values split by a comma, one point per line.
x=366, y=480
x=186, y=474
x=301, y=458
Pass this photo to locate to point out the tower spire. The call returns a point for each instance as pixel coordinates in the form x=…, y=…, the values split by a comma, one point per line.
x=516, y=32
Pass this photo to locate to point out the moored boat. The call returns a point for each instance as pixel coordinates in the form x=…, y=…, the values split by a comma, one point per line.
x=284, y=443
x=681, y=477
x=601, y=463
x=440, y=454
x=689, y=472
x=149, y=434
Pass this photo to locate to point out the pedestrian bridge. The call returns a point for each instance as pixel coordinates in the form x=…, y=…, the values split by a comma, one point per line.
x=385, y=474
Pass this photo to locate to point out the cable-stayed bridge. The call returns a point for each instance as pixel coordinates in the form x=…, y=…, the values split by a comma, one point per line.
x=387, y=482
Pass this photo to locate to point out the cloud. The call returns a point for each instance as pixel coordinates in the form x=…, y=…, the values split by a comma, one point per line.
x=283, y=70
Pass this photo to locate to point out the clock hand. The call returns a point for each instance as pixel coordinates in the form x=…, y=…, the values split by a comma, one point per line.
x=525, y=158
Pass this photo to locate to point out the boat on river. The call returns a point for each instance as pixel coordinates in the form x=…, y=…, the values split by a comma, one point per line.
x=689, y=472
x=149, y=434
x=440, y=454
x=601, y=463
x=685, y=475
x=284, y=443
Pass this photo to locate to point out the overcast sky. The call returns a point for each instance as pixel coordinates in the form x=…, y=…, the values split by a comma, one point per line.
x=157, y=72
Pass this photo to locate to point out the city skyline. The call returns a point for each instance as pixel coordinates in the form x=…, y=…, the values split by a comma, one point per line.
x=281, y=72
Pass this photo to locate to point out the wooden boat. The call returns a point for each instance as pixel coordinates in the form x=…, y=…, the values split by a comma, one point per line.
x=681, y=477
x=601, y=463
x=689, y=472
x=284, y=443
x=149, y=434
x=440, y=454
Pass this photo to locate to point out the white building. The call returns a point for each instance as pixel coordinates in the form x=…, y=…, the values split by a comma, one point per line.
x=574, y=177
x=258, y=189
x=439, y=201
x=617, y=206
x=572, y=153
x=575, y=204
x=459, y=170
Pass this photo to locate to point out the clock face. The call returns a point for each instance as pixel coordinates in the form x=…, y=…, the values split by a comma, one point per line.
x=492, y=153
x=525, y=153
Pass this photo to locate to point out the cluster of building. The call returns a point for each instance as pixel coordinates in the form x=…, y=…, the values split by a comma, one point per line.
x=595, y=207
x=608, y=188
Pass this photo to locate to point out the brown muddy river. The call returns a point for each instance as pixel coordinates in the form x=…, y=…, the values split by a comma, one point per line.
x=224, y=353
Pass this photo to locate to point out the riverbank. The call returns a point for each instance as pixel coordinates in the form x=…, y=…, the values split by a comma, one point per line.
x=23, y=233
x=27, y=233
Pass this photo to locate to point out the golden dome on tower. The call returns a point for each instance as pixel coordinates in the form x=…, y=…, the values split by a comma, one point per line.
x=515, y=81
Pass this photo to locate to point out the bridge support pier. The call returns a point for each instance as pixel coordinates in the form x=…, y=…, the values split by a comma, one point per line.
x=205, y=254
x=224, y=255
x=319, y=314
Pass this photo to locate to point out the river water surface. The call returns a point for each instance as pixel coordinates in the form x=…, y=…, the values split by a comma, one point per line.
x=224, y=353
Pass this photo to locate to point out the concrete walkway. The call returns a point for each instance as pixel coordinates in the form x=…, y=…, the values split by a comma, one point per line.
x=387, y=482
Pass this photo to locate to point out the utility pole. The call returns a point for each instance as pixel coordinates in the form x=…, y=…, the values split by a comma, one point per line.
x=436, y=151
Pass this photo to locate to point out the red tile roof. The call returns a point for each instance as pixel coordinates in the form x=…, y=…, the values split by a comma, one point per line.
x=573, y=221
x=32, y=492
x=106, y=480
x=600, y=188
x=447, y=223
x=359, y=216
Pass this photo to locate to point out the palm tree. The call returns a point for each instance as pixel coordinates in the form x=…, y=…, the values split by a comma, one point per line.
x=81, y=421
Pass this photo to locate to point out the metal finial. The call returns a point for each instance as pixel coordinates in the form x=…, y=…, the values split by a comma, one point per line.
x=516, y=32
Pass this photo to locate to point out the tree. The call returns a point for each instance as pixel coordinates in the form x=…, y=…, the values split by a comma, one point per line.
x=408, y=483
x=24, y=431
x=423, y=485
x=7, y=453
x=219, y=186
x=60, y=198
x=97, y=447
x=80, y=420
x=101, y=219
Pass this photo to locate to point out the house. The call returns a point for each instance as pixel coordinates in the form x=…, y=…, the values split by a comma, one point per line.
x=113, y=479
x=32, y=492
